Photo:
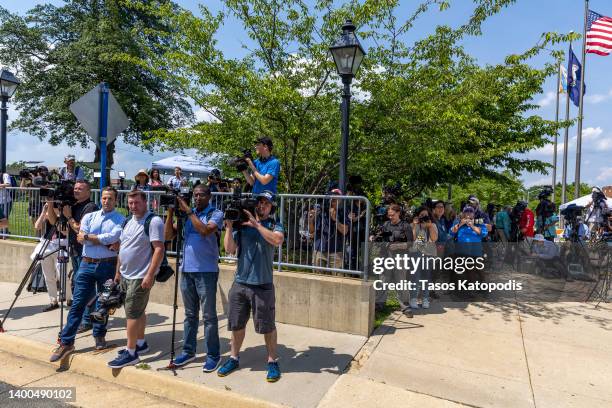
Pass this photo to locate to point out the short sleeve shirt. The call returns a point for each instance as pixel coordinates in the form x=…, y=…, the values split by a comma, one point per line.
x=255, y=254
x=271, y=165
x=201, y=253
x=136, y=253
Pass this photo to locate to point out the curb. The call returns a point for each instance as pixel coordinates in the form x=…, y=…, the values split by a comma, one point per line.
x=141, y=380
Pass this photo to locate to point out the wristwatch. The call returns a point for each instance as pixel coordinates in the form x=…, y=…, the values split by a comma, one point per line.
x=86, y=236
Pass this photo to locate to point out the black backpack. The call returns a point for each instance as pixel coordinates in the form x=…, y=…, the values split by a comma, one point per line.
x=165, y=270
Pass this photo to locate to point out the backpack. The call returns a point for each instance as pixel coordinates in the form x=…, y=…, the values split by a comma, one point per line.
x=165, y=270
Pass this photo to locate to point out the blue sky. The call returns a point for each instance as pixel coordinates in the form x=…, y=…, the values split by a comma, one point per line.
x=512, y=31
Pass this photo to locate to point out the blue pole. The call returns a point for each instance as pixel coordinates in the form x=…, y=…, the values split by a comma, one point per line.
x=103, y=123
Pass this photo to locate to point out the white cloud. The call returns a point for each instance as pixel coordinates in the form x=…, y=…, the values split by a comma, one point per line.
x=591, y=133
x=548, y=99
x=203, y=115
x=598, y=98
x=546, y=180
x=605, y=175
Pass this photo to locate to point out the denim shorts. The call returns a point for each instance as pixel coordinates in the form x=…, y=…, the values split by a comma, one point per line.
x=258, y=298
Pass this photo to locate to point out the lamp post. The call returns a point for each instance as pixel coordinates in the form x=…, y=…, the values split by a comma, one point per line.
x=348, y=54
x=8, y=85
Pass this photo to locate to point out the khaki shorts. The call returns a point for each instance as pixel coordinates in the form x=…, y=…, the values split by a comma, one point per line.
x=136, y=298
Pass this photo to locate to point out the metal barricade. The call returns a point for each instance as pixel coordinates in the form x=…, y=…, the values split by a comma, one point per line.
x=326, y=234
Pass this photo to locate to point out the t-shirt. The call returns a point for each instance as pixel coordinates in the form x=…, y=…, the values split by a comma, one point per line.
x=201, y=253
x=400, y=232
x=527, y=222
x=271, y=165
x=136, y=253
x=255, y=254
x=327, y=237
x=78, y=211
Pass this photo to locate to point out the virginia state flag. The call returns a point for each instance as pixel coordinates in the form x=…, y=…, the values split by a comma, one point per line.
x=574, y=78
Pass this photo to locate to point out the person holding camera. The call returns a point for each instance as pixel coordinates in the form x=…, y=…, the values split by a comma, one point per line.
x=140, y=255
x=398, y=233
x=425, y=235
x=468, y=235
x=213, y=180
x=546, y=217
x=71, y=171
x=265, y=170
x=177, y=181
x=330, y=227
x=199, y=275
x=253, y=287
x=74, y=214
x=99, y=234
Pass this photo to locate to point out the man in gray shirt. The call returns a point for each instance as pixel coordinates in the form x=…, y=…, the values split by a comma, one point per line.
x=140, y=255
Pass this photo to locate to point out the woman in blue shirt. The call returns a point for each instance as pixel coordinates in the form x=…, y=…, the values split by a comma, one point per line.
x=468, y=238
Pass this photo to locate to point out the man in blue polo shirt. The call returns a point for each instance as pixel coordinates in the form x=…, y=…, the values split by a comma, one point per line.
x=200, y=272
x=265, y=170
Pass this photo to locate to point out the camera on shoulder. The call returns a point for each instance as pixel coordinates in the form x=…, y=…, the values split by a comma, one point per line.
x=240, y=162
x=59, y=192
x=170, y=198
x=235, y=206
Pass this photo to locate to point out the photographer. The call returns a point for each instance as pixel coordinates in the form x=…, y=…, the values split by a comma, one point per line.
x=253, y=287
x=99, y=230
x=474, y=202
x=213, y=180
x=140, y=255
x=468, y=236
x=425, y=235
x=74, y=214
x=398, y=234
x=597, y=207
x=330, y=227
x=265, y=170
x=546, y=217
x=199, y=275
x=71, y=171
x=548, y=256
x=177, y=181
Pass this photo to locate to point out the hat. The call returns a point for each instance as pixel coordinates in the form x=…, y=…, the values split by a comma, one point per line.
x=467, y=208
x=69, y=157
x=473, y=200
x=265, y=140
x=215, y=173
x=268, y=195
x=335, y=191
x=141, y=172
x=539, y=238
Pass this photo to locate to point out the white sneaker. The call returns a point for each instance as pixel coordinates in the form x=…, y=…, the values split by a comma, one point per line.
x=413, y=304
x=425, y=304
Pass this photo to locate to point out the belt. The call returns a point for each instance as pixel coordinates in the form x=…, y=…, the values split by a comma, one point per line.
x=99, y=260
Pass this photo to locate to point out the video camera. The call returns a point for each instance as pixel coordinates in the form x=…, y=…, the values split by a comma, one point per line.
x=234, y=208
x=170, y=198
x=109, y=299
x=239, y=162
x=59, y=191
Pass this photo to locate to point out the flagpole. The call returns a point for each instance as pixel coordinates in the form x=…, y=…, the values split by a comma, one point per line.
x=565, y=142
x=554, y=175
x=581, y=106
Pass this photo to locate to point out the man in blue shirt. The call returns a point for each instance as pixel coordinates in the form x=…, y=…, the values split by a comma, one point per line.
x=200, y=273
x=177, y=181
x=253, y=288
x=265, y=170
x=99, y=234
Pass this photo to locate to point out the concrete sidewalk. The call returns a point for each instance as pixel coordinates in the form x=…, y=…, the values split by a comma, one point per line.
x=310, y=359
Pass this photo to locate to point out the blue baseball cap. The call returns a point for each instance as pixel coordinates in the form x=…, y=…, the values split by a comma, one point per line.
x=268, y=195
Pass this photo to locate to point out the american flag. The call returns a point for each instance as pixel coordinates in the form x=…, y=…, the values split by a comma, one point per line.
x=599, y=34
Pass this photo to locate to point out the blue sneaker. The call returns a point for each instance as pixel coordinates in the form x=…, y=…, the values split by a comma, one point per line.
x=142, y=349
x=230, y=365
x=211, y=364
x=124, y=359
x=274, y=373
x=183, y=359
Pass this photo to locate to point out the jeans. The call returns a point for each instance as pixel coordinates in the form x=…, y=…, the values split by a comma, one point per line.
x=76, y=261
x=88, y=277
x=421, y=275
x=199, y=290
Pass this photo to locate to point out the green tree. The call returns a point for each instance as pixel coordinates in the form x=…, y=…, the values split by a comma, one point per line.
x=60, y=53
x=424, y=113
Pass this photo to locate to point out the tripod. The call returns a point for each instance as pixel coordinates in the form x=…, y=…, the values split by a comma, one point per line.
x=62, y=261
x=179, y=245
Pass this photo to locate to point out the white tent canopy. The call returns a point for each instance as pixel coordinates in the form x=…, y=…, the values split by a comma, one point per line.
x=190, y=165
x=583, y=202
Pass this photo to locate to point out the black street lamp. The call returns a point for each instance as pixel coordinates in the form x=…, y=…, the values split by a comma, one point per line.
x=348, y=54
x=8, y=85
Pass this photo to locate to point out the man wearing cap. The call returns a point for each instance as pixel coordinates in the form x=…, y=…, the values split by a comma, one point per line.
x=265, y=170
x=253, y=287
x=213, y=180
x=70, y=171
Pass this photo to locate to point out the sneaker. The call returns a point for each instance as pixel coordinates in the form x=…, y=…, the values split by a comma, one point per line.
x=425, y=304
x=230, y=365
x=124, y=359
x=183, y=359
x=61, y=351
x=274, y=373
x=51, y=307
x=100, y=343
x=408, y=312
x=142, y=349
x=84, y=328
x=211, y=364
x=414, y=304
